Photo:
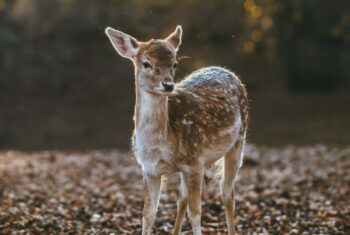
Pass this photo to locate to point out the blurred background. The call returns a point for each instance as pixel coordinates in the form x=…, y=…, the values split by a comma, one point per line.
x=62, y=85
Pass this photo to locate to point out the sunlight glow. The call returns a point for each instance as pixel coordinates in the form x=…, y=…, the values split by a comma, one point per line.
x=249, y=5
x=248, y=47
x=256, y=35
x=256, y=12
x=2, y=4
x=266, y=23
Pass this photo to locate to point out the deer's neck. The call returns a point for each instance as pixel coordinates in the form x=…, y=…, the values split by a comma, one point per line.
x=151, y=115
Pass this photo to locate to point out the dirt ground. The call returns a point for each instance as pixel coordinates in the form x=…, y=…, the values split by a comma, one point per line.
x=290, y=190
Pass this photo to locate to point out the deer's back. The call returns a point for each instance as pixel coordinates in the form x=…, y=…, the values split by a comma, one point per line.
x=206, y=111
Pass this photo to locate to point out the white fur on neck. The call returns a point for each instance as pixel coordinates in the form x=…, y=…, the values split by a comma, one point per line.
x=150, y=140
x=147, y=107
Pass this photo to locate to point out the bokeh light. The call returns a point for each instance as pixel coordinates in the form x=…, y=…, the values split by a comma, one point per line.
x=266, y=23
x=256, y=35
x=248, y=47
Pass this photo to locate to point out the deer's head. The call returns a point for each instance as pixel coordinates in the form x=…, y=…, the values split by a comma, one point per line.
x=155, y=60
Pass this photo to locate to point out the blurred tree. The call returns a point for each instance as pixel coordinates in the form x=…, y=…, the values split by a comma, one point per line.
x=314, y=42
x=56, y=53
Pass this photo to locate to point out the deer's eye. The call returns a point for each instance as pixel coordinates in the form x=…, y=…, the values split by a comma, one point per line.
x=146, y=65
x=175, y=65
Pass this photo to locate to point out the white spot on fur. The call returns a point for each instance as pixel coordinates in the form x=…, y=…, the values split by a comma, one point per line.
x=187, y=122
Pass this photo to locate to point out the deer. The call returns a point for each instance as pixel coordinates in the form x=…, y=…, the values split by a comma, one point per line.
x=183, y=127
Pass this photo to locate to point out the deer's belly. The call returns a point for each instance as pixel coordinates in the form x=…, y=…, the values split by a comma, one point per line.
x=220, y=146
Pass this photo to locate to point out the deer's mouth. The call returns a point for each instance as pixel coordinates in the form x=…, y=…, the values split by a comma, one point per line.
x=168, y=86
x=165, y=92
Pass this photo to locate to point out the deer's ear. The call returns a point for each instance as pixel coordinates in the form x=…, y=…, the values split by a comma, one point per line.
x=175, y=38
x=124, y=44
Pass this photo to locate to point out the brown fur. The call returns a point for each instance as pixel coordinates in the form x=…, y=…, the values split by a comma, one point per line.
x=197, y=118
x=157, y=50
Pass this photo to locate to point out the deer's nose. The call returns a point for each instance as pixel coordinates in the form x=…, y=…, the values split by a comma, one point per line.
x=168, y=86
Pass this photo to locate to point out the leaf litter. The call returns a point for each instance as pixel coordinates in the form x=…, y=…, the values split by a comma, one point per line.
x=291, y=190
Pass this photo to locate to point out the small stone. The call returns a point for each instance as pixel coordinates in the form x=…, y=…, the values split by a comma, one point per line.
x=95, y=218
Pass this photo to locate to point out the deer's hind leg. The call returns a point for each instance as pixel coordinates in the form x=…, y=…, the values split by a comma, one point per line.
x=232, y=163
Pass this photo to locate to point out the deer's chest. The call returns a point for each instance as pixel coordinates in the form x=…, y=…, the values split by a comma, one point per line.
x=152, y=153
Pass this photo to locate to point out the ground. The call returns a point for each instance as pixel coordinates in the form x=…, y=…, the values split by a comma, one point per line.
x=291, y=190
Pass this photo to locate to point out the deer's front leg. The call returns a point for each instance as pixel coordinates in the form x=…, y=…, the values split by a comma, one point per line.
x=152, y=189
x=181, y=206
x=194, y=180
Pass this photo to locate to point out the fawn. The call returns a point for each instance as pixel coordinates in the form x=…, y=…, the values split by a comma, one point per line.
x=183, y=128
